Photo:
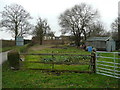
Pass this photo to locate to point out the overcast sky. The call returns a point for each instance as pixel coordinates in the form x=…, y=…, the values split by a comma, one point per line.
x=51, y=9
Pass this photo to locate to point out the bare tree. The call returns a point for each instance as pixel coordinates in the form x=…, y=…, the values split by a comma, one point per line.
x=118, y=32
x=76, y=20
x=119, y=22
x=15, y=19
x=41, y=29
x=51, y=34
x=114, y=29
x=96, y=29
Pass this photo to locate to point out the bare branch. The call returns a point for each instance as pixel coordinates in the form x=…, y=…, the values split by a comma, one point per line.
x=15, y=19
x=76, y=19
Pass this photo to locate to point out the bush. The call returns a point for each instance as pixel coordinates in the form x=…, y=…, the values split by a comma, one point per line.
x=23, y=49
x=13, y=59
x=30, y=44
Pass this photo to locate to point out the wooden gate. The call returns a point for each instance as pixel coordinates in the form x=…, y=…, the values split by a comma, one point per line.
x=85, y=60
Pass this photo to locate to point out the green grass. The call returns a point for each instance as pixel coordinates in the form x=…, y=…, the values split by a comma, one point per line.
x=18, y=48
x=38, y=79
x=68, y=50
x=6, y=48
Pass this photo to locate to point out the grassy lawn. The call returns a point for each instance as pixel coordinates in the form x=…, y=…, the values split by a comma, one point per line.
x=6, y=48
x=38, y=79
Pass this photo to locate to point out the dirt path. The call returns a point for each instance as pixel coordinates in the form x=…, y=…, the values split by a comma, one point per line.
x=40, y=47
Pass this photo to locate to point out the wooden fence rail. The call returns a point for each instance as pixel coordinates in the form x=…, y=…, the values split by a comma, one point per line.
x=91, y=62
x=49, y=70
x=53, y=54
x=60, y=63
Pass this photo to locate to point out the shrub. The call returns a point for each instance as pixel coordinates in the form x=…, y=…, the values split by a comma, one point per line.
x=13, y=59
x=30, y=44
x=24, y=48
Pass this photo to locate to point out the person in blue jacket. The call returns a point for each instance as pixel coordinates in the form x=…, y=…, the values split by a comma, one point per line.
x=89, y=48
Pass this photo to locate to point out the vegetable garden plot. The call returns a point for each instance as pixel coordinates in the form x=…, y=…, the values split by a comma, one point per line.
x=59, y=62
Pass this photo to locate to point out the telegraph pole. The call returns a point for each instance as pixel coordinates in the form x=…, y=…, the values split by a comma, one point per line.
x=119, y=24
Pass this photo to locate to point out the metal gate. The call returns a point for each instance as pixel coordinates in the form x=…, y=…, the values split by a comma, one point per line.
x=108, y=63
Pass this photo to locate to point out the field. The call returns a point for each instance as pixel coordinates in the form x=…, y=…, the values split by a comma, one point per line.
x=39, y=79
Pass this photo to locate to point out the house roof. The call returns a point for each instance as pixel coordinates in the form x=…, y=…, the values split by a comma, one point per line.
x=98, y=38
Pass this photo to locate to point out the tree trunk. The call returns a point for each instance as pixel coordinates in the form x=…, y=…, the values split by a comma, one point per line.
x=85, y=36
x=41, y=40
x=16, y=31
x=77, y=41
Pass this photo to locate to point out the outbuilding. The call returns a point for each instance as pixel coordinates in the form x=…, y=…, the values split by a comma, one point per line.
x=19, y=41
x=102, y=43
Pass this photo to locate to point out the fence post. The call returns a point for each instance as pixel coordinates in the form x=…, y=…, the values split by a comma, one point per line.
x=114, y=63
x=52, y=61
x=93, y=61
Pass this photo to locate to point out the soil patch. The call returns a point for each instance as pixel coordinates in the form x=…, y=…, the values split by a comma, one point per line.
x=59, y=47
x=40, y=47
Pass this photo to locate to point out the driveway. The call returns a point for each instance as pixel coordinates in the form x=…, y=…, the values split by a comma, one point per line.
x=3, y=57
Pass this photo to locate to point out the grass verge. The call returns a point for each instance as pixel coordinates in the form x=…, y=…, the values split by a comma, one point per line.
x=38, y=79
x=18, y=48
